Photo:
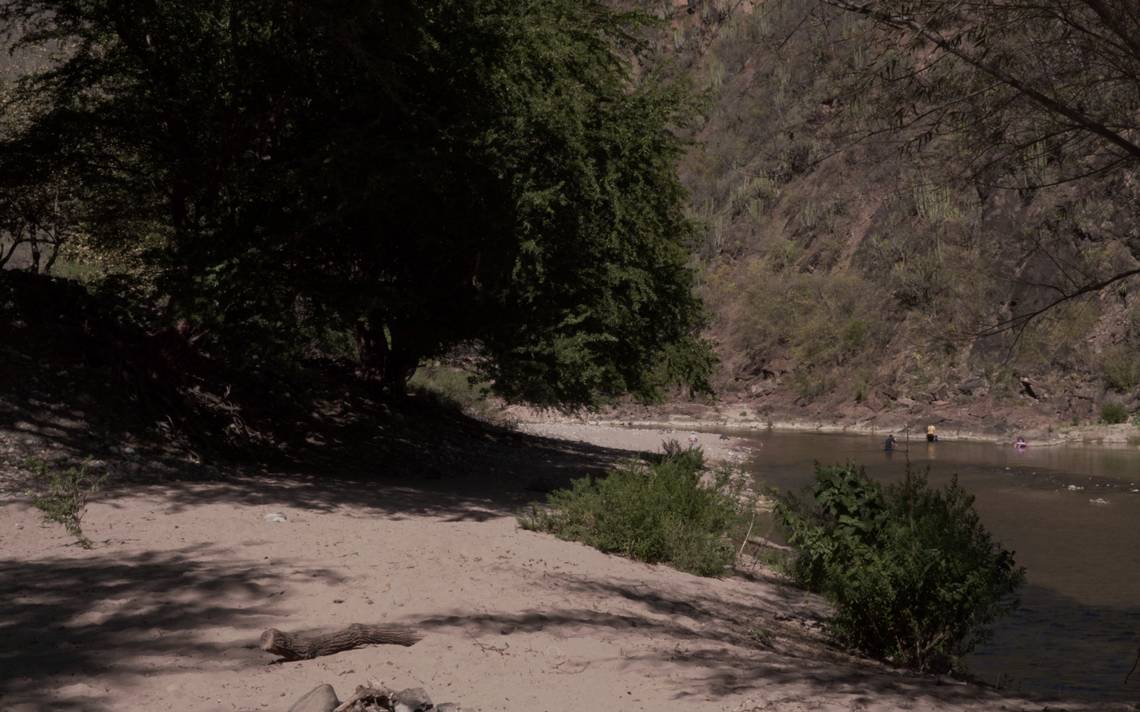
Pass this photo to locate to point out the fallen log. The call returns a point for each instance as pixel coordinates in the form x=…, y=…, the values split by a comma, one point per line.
x=301, y=646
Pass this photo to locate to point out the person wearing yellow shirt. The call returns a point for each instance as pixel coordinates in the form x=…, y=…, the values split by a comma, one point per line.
x=931, y=436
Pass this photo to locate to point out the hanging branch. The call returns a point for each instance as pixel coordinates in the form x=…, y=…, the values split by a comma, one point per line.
x=1020, y=320
x=1049, y=103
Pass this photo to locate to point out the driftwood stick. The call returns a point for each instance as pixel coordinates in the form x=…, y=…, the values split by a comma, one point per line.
x=767, y=543
x=747, y=534
x=298, y=646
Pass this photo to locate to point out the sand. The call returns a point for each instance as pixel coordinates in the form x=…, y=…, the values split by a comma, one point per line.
x=164, y=613
x=650, y=439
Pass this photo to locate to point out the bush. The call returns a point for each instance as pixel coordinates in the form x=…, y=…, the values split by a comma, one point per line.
x=64, y=495
x=827, y=324
x=1121, y=368
x=1113, y=413
x=451, y=388
x=914, y=576
x=652, y=513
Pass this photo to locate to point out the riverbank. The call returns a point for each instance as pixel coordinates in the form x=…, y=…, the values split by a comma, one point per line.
x=187, y=571
x=728, y=418
x=639, y=438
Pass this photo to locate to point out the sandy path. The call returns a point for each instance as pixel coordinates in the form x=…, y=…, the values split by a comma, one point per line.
x=164, y=613
x=716, y=447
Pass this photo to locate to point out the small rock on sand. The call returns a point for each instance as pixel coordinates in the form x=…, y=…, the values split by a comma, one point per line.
x=413, y=699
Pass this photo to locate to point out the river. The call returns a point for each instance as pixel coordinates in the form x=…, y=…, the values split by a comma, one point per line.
x=1071, y=514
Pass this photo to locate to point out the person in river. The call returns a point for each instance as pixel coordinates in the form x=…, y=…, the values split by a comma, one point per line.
x=1020, y=443
x=889, y=445
x=931, y=436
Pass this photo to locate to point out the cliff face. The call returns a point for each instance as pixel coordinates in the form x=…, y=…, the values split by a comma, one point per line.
x=849, y=266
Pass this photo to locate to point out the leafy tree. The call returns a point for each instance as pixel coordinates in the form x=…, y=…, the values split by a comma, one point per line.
x=423, y=174
x=36, y=196
x=34, y=215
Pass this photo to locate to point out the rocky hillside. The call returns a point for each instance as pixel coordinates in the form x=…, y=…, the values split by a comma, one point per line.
x=850, y=267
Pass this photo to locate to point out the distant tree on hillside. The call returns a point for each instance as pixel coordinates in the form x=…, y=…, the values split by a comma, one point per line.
x=423, y=174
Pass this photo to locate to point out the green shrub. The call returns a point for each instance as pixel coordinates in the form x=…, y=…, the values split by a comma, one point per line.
x=1121, y=368
x=652, y=513
x=64, y=495
x=1113, y=413
x=828, y=324
x=914, y=576
x=452, y=388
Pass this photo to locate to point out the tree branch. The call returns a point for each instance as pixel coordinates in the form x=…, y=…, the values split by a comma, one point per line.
x=1022, y=319
x=1049, y=103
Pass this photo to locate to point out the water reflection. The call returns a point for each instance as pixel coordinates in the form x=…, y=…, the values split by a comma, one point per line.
x=1072, y=515
x=1059, y=645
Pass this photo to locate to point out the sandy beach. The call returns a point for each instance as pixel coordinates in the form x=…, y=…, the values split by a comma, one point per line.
x=166, y=610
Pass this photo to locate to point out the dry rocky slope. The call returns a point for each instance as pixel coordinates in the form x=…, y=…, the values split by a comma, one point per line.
x=847, y=275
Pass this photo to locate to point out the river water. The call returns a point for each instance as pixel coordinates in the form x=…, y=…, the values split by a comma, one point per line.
x=1071, y=514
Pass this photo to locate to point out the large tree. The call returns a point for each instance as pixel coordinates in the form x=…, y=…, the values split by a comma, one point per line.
x=425, y=173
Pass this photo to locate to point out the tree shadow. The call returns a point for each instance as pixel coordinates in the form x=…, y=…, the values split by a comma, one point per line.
x=770, y=643
x=477, y=475
x=114, y=618
x=79, y=385
x=1056, y=644
x=414, y=459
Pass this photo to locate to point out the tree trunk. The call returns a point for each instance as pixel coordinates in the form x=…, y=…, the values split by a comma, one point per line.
x=298, y=646
x=372, y=347
x=403, y=359
x=35, y=243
